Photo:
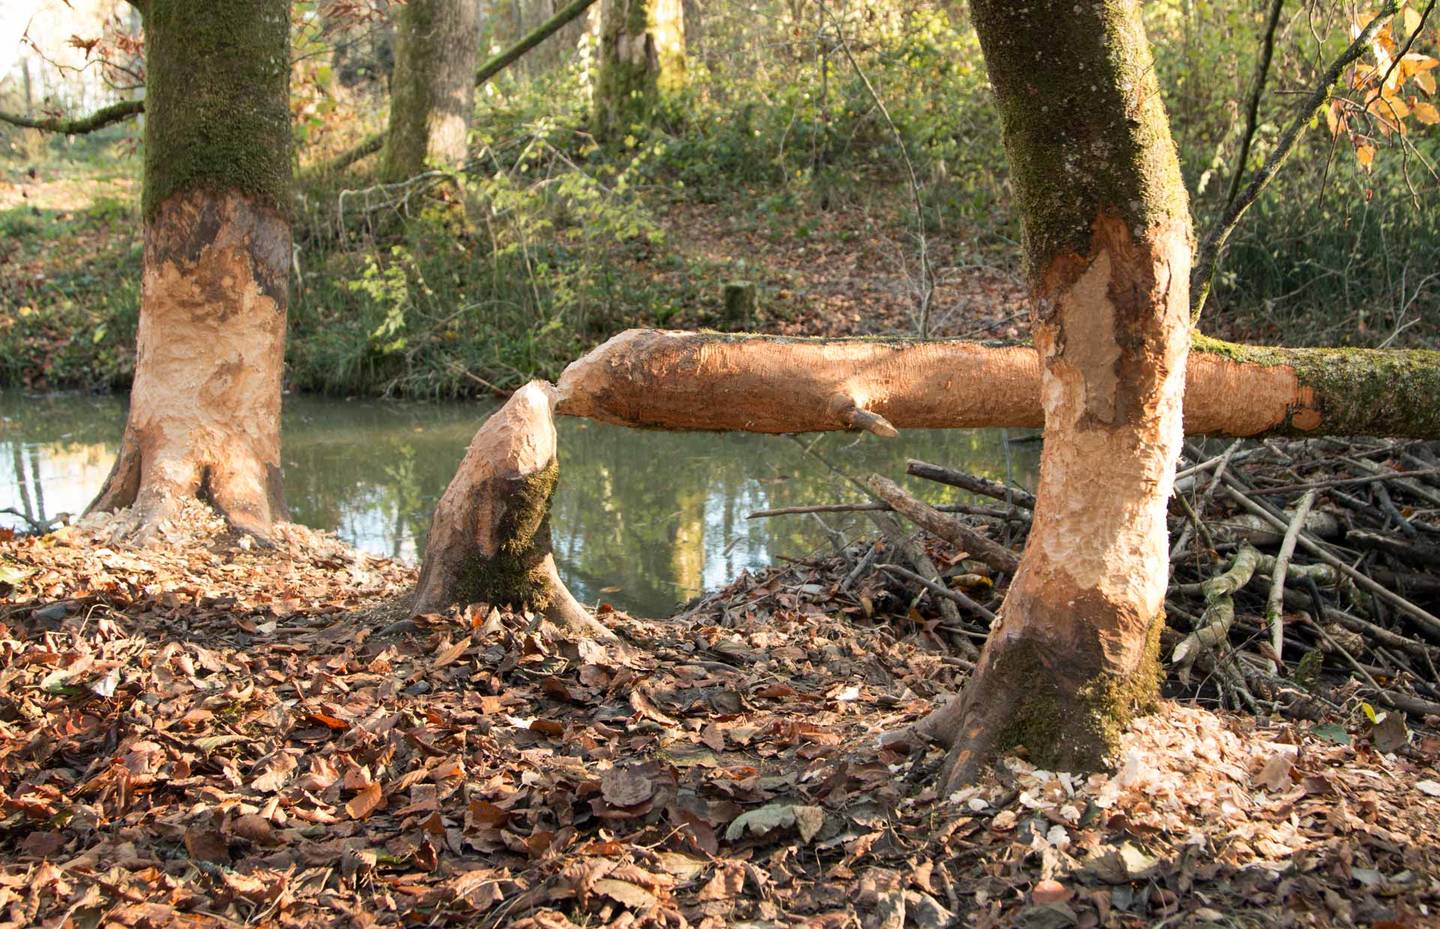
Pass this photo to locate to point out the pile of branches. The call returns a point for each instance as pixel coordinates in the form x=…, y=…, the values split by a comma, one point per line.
x=1305, y=574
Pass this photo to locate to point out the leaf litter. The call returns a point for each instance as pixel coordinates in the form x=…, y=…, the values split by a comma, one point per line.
x=204, y=733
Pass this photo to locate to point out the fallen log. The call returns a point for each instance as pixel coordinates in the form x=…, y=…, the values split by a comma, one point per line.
x=749, y=383
x=490, y=538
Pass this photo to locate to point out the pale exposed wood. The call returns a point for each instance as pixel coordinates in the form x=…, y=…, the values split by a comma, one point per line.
x=720, y=382
x=490, y=537
x=205, y=406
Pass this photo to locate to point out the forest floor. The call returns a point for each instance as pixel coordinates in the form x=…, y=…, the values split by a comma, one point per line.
x=203, y=733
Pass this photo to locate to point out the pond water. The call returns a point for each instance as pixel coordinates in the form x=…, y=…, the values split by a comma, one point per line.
x=642, y=519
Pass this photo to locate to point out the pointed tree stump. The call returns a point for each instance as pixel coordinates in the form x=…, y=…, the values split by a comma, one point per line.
x=490, y=539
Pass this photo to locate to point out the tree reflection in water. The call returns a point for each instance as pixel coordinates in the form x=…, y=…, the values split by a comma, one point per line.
x=642, y=519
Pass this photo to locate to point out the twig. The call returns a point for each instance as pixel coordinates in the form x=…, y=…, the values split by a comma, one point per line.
x=938, y=589
x=927, y=274
x=1274, y=605
x=1252, y=109
x=1344, y=481
x=948, y=528
x=990, y=511
x=1207, y=258
x=1426, y=619
x=973, y=483
x=105, y=116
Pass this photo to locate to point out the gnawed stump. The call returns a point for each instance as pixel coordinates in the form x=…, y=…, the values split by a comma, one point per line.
x=490, y=538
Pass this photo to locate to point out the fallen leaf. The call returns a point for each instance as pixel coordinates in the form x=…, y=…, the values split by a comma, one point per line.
x=364, y=803
x=626, y=787
x=807, y=820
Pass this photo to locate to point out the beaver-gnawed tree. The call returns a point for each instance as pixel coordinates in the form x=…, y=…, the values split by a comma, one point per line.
x=205, y=405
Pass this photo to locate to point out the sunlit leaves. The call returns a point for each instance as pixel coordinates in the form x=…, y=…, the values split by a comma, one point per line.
x=1390, y=87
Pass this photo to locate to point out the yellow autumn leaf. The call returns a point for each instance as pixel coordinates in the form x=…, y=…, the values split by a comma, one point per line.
x=1332, y=118
x=1426, y=80
x=1426, y=112
x=1365, y=154
x=1412, y=20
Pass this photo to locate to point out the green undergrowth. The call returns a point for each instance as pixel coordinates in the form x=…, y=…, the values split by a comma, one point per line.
x=549, y=242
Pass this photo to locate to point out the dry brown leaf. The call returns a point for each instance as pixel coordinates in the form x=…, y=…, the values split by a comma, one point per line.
x=365, y=802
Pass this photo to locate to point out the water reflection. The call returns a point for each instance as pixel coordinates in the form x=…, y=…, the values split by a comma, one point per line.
x=641, y=519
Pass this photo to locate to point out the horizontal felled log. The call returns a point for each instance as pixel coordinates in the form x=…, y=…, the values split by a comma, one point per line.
x=747, y=383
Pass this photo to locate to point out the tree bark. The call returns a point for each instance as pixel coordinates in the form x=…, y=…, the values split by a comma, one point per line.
x=490, y=538
x=642, y=59
x=1108, y=245
x=432, y=93
x=205, y=404
x=748, y=383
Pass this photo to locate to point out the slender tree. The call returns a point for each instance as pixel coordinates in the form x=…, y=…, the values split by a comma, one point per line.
x=1109, y=247
x=642, y=58
x=432, y=93
x=205, y=405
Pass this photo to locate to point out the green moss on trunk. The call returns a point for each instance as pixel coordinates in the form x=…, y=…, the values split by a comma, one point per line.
x=1078, y=730
x=432, y=91
x=514, y=575
x=1086, y=138
x=217, y=101
x=1358, y=391
x=642, y=59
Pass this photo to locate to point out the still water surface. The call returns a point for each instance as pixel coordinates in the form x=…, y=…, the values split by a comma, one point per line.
x=641, y=519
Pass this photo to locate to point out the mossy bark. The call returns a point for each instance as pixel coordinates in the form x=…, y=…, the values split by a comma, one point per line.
x=1348, y=391
x=432, y=92
x=1108, y=245
x=204, y=416
x=217, y=100
x=642, y=60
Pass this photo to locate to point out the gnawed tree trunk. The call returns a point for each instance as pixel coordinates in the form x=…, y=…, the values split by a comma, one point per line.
x=432, y=92
x=205, y=405
x=490, y=539
x=720, y=382
x=1074, y=655
x=642, y=59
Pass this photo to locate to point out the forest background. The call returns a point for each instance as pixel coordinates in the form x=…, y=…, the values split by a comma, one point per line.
x=844, y=160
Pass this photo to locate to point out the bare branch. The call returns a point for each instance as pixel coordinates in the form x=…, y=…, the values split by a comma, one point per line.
x=106, y=116
x=1208, y=255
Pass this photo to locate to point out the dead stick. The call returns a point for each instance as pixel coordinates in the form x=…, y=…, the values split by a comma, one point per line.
x=1342, y=481
x=973, y=483
x=939, y=590
x=1425, y=618
x=990, y=511
x=948, y=528
x=1274, y=612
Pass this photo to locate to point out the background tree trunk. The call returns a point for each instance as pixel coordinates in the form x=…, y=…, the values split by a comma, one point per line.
x=642, y=58
x=1108, y=247
x=432, y=92
x=205, y=405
